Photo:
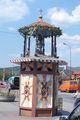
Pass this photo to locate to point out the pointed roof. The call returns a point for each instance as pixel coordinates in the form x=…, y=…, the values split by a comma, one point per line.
x=40, y=25
x=40, y=22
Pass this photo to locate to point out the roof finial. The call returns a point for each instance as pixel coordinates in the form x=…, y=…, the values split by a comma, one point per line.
x=40, y=16
x=40, y=11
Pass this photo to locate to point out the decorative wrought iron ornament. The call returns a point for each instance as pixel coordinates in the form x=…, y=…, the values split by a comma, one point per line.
x=44, y=91
x=26, y=90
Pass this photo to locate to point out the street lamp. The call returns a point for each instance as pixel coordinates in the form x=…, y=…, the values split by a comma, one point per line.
x=70, y=57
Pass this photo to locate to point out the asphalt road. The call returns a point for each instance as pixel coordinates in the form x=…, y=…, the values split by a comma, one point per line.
x=68, y=101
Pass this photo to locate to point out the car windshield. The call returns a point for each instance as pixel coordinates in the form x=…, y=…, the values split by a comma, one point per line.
x=75, y=115
x=73, y=82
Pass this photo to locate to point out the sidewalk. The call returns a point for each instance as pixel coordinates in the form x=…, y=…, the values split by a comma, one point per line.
x=10, y=111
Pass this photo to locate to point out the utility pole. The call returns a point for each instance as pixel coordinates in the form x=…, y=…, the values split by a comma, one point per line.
x=70, y=58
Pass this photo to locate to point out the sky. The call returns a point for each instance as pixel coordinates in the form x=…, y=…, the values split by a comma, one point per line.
x=18, y=13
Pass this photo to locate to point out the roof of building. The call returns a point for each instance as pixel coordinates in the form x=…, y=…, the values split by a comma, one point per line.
x=77, y=72
x=40, y=59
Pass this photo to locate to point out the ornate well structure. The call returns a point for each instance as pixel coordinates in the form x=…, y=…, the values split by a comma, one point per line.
x=39, y=72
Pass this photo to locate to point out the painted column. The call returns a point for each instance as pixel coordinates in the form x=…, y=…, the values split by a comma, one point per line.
x=34, y=92
x=53, y=99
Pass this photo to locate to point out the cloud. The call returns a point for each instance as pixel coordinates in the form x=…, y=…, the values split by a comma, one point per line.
x=12, y=10
x=70, y=38
x=12, y=29
x=72, y=41
x=76, y=51
x=59, y=15
x=31, y=0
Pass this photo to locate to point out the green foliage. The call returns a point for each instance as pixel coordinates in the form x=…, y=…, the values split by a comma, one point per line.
x=8, y=72
x=79, y=85
x=1, y=75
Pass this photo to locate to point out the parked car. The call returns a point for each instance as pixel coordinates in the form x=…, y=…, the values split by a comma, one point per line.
x=74, y=115
x=77, y=99
x=2, y=85
x=14, y=82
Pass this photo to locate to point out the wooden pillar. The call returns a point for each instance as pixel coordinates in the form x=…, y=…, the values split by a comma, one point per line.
x=34, y=92
x=24, y=52
x=43, y=42
x=29, y=46
x=55, y=49
x=53, y=98
x=43, y=47
x=52, y=45
x=36, y=42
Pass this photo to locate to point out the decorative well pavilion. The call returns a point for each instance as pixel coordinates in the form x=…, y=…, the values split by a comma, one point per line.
x=39, y=72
